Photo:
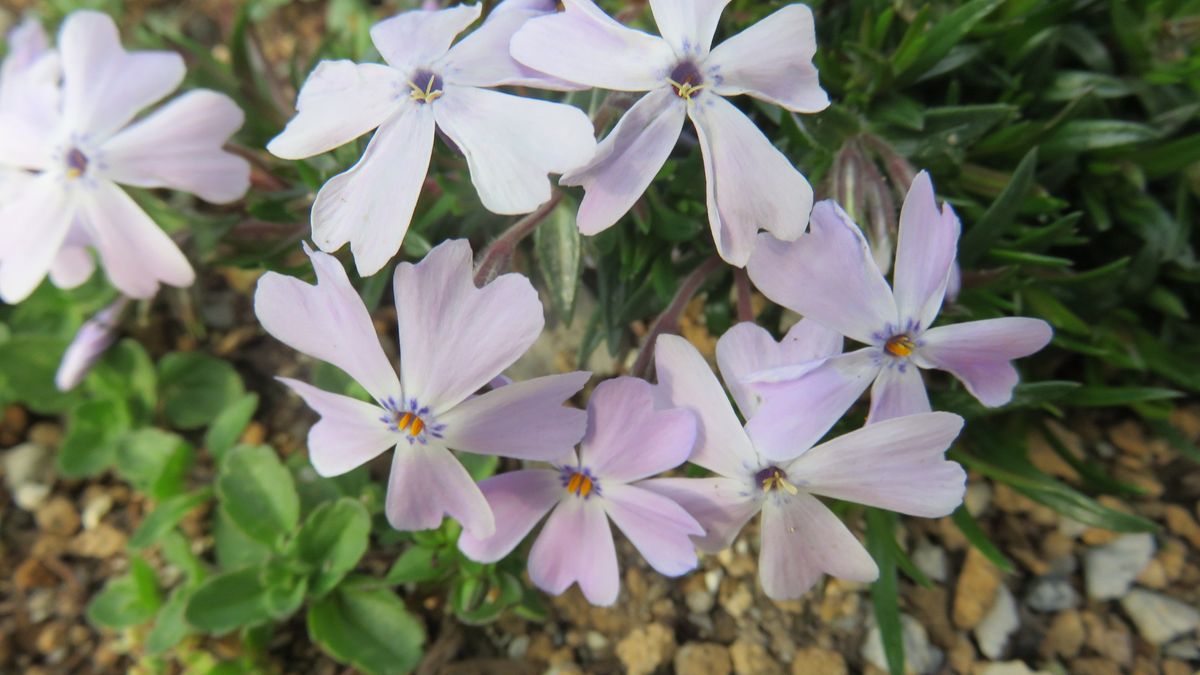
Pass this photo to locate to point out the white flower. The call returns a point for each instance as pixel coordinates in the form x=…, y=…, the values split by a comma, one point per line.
x=80, y=150
x=511, y=143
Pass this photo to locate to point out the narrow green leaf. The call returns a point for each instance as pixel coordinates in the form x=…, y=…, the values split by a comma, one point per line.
x=557, y=245
x=970, y=528
x=979, y=237
x=885, y=592
x=1107, y=397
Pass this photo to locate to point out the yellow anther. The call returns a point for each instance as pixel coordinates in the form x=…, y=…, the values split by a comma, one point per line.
x=74, y=173
x=418, y=425
x=900, y=345
x=405, y=420
x=776, y=481
x=580, y=485
x=427, y=94
x=686, y=90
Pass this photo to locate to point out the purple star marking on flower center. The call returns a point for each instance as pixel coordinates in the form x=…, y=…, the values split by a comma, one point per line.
x=413, y=420
x=426, y=86
x=686, y=80
x=774, y=478
x=579, y=482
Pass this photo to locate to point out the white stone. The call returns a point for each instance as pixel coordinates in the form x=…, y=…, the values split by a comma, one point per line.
x=931, y=560
x=518, y=647
x=920, y=656
x=998, y=624
x=977, y=498
x=1159, y=618
x=1009, y=668
x=1111, y=569
x=29, y=473
x=1051, y=594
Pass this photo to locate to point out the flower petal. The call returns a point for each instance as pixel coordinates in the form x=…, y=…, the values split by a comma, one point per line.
x=416, y=38
x=925, y=251
x=370, y=205
x=898, y=464
x=349, y=434
x=772, y=60
x=494, y=130
x=95, y=336
x=801, y=540
x=27, y=143
x=576, y=544
x=72, y=266
x=722, y=506
x=482, y=59
x=519, y=499
x=105, y=86
x=340, y=101
x=627, y=438
x=33, y=228
x=137, y=255
x=426, y=483
x=827, y=275
x=685, y=378
x=899, y=390
x=658, y=527
x=454, y=337
x=688, y=25
x=328, y=321
x=627, y=160
x=795, y=414
x=526, y=420
x=179, y=146
x=747, y=349
x=979, y=353
x=750, y=183
x=585, y=45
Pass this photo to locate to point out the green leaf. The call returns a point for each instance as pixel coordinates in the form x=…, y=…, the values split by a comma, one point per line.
x=556, y=243
x=418, y=563
x=258, y=493
x=369, y=629
x=154, y=461
x=332, y=540
x=90, y=445
x=1103, y=397
x=127, y=373
x=979, y=539
x=1088, y=135
x=228, y=601
x=165, y=516
x=196, y=387
x=170, y=627
x=939, y=40
x=127, y=600
x=884, y=592
x=227, y=428
x=235, y=549
x=28, y=364
x=980, y=236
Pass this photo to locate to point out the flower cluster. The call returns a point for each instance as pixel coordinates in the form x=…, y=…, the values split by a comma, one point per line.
x=68, y=139
x=789, y=393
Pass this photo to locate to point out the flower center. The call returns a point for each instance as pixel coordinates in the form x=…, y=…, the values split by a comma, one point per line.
x=900, y=345
x=579, y=482
x=414, y=421
x=774, y=478
x=686, y=80
x=77, y=163
x=426, y=87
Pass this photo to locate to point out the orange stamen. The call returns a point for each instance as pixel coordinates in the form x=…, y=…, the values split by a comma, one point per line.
x=417, y=426
x=580, y=485
x=406, y=420
x=900, y=345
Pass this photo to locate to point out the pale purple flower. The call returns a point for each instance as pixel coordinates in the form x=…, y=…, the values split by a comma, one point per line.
x=29, y=77
x=511, y=143
x=94, y=338
x=80, y=152
x=751, y=184
x=828, y=275
x=454, y=339
x=628, y=439
x=897, y=465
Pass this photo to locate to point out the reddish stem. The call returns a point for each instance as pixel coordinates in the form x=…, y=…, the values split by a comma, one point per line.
x=668, y=321
x=745, y=299
x=496, y=257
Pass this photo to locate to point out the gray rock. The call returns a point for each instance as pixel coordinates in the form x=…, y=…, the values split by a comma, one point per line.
x=1159, y=618
x=1110, y=570
x=1051, y=594
x=29, y=472
x=920, y=656
x=1009, y=668
x=931, y=560
x=998, y=624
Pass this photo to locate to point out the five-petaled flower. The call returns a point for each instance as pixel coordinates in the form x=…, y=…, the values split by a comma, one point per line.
x=751, y=184
x=511, y=143
x=628, y=439
x=897, y=465
x=829, y=275
x=454, y=339
x=78, y=152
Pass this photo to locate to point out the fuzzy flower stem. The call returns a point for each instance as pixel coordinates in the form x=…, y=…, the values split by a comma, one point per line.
x=496, y=257
x=668, y=321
